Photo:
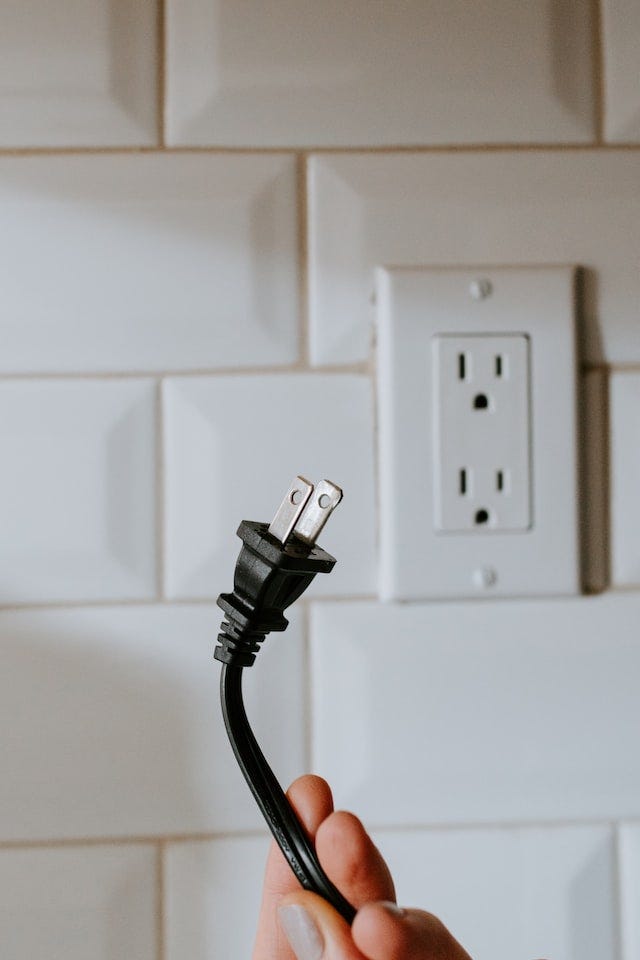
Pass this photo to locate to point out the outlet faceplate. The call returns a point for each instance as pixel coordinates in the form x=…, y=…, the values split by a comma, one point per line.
x=481, y=433
x=521, y=462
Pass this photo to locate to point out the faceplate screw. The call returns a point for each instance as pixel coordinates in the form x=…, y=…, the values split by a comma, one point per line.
x=480, y=289
x=485, y=577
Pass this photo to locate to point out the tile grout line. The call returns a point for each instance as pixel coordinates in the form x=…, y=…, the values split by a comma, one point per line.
x=618, y=913
x=303, y=259
x=140, y=149
x=307, y=687
x=164, y=601
x=160, y=490
x=606, y=439
x=375, y=401
x=287, y=149
x=599, y=78
x=72, y=842
x=161, y=73
x=257, y=370
x=152, y=840
x=630, y=367
x=361, y=368
x=163, y=840
x=128, y=603
x=161, y=896
x=498, y=826
x=125, y=603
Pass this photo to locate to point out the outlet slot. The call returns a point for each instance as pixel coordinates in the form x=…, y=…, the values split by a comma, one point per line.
x=481, y=517
x=481, y=401
x=462, y=366
x=500, y=481
x=462, y=482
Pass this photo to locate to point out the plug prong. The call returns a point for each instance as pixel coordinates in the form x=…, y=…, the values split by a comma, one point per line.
x=288, y=513
x=321, y=505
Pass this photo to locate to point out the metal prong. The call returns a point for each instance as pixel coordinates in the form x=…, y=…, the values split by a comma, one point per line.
x=290, y=509
x=325, y=499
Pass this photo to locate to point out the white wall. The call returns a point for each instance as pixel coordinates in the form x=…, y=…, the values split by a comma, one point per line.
x=194, y=197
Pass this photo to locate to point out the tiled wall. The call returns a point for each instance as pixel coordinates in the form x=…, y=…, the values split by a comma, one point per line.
x=194, y=197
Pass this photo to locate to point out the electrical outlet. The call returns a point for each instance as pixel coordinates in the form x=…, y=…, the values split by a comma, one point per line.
x=478, y=453
x=481, y=421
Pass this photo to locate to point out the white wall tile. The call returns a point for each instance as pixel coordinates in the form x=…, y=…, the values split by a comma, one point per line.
x=213, y=892
x=621, y=54
x=147, y=262
x=77, y=490
x=78, y=74
x=232, y=446
x=624, y=405
x=629, y=883
x=78, y=902
x=512, y=893
x=112, y=727
x=498, y=208
x=362, y=73
x=479, y=712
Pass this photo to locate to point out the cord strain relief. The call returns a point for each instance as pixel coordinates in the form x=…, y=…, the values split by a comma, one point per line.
x=237, y=646
x=244, y=628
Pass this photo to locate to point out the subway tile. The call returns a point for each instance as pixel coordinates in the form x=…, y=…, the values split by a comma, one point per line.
x=625, y=478
x=78, y=902
x=629, y=884
x=112, y=727
x=466, y=209
x=512, y=892
x=213, y=894
x=232, y=446
x=377, y=74
x=77, y=490
x=621, y=56
x=479, y=712
x=147, y=262
x=78, y=74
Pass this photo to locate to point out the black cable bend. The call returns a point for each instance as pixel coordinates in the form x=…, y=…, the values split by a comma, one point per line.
x=270, y=797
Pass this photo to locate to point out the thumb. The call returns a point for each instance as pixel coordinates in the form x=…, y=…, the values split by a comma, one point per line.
x=315, y=930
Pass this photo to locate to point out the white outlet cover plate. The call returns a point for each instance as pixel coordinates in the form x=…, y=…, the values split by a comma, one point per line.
x=414, y=306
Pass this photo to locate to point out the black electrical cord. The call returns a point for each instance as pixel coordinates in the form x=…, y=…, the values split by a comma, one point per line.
x=275, y=566
x=270, y=797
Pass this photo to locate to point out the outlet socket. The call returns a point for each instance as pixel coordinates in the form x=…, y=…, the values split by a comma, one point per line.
x=431, y=546
x=481, y=433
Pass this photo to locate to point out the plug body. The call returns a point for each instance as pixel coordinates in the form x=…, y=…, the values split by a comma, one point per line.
x=268, y=578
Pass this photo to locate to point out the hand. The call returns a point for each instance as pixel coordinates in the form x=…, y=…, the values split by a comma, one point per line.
x=297, y=925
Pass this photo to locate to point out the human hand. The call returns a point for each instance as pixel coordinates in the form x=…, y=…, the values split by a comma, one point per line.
x=297, y=925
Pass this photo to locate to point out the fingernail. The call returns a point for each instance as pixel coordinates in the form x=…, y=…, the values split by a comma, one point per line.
x=301, y=932
x=393, y=909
